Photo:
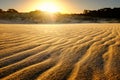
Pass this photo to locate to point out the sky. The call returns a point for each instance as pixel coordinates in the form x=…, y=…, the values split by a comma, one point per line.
x=66, y=6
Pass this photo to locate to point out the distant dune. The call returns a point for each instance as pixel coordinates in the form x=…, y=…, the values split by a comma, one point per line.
x=60, y=52
x=4, y=21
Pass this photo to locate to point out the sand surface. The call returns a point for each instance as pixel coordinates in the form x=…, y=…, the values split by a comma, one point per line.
x=60, y=52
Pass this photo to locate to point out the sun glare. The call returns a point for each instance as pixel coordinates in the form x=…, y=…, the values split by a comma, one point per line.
x=49, y=7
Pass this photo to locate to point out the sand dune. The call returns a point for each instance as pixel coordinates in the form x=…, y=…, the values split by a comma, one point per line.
x=60, y=52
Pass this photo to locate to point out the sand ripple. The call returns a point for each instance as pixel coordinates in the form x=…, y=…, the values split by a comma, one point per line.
x=60, y=52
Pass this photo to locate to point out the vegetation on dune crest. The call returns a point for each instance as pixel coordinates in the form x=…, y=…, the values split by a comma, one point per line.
x=105, y=14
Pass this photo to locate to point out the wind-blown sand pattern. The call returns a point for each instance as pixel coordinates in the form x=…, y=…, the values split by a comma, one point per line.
x=60, y=52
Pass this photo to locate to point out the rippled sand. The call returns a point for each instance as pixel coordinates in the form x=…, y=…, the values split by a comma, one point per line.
x=60, y=52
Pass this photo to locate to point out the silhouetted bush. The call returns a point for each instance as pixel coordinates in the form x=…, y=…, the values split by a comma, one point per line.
x=44, y=17
x=12, y=11
x=1, y=11
x=104, y=13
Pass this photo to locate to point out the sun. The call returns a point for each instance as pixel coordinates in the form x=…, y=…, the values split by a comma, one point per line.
x=49, y=7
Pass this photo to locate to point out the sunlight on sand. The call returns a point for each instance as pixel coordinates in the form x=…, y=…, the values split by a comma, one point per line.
x=60, y=52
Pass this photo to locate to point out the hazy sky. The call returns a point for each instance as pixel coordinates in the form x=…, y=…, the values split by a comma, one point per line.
x=68, y=6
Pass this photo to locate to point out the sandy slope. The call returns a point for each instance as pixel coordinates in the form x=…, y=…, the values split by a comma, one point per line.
x=60, y=52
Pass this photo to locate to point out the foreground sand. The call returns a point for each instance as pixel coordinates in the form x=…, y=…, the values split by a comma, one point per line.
x=60, y=52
